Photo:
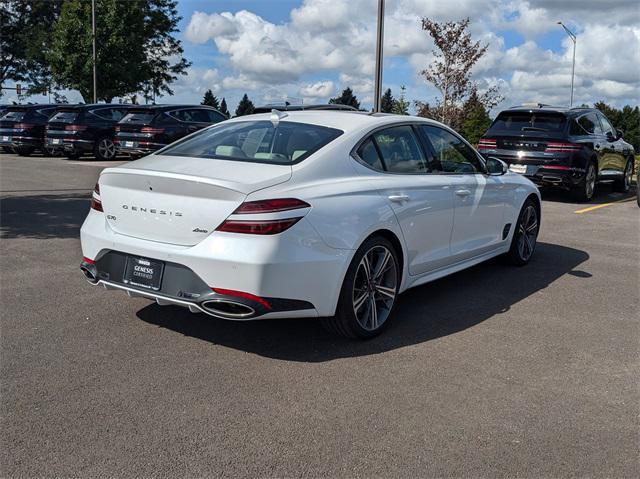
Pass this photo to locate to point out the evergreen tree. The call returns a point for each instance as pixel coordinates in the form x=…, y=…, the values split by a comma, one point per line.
x=346, y=98
x=245, y=107
x=387, y=102
x=223, y=108
x=401, y=105
x=210, y=100
x=476, y=120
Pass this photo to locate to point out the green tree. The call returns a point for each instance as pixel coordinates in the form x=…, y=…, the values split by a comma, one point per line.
x=245, y=107
x=476, y=119
x=25, y=40
x=346, y=98
x=223, y=108
x=387, y=102
x=136, y=49
x=401, y=105
x=626, y=120
x=210, y=99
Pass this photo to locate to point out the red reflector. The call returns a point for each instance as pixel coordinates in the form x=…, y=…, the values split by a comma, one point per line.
x=270, y=206
x=240, y=294
x=87, y=260
x=75, y=127
x=151, y=130
x=266, y=227
x=556, y=167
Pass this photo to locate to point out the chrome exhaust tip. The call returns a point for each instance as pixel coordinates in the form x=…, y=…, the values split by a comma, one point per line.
x=227, y=309
x=90, y=272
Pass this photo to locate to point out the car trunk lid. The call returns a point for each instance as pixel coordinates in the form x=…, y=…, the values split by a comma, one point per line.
x=159, y=199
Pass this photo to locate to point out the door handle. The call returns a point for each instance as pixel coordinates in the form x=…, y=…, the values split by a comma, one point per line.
x=463, y=192
x=398, y=198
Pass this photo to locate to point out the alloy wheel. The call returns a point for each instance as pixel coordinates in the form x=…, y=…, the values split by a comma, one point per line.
x=527, y=232
x=628, y=173
x=106, y=148
x=590, y=181
x=374, y=287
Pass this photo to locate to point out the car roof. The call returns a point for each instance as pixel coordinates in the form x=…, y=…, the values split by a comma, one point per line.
x=320, y=106
x=165, y=107
x=342, y=120
x=92, y=106
x=38, y=106
x=529, y=108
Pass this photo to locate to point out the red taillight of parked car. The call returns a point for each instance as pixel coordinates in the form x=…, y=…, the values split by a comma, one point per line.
x=487, y=144
x=23, y=126
x=75, y=127
x=117, y=128
x=559, y=147
x=267, y=226
x=96, y=202
x=151, y=130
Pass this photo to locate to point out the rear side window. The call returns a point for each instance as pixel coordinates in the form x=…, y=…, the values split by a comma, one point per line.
x=369, y=154
x=138, y=117
x=529, y=121
x=587, y=124
x=400, y=150
x=64, y=116
x=113, y=114
x=257, y=141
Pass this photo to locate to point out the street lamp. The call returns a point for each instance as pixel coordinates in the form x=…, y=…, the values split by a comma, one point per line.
x=573, y=67
x=93, y=42
x=377, y=94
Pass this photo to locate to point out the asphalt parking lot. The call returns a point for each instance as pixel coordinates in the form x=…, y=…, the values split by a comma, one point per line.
x=493, y=372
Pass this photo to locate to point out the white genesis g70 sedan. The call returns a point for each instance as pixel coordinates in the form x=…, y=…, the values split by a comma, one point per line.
x=324, y=214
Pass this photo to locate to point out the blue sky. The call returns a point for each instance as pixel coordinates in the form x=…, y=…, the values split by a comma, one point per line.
x=308, y=50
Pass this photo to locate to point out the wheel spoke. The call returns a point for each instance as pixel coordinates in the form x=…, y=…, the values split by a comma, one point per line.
x=373, y=312
x=383, y=266
x=388, y=293
x=532, y=226
x=357, y=304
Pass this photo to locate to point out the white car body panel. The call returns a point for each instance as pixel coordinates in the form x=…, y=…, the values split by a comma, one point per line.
x=438, y=230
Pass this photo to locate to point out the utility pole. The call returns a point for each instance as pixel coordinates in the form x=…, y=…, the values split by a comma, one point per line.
x=573, y=66
x=93, y=37
x=379, y=56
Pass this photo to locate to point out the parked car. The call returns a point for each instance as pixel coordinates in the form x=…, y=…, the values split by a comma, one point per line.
x=329, y=106
x=305, y=214
x=148, y=128
x=76, y=130
x=570, y=148
x=22, y=128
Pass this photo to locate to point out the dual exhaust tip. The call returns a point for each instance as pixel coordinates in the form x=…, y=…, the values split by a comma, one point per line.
x=90, y=272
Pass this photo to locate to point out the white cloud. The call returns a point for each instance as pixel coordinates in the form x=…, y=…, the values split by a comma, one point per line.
x=334, y=40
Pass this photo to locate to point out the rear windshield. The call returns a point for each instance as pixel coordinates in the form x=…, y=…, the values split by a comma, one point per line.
x=143, y=117
x=14, y=115
x=64, y=116
x=257, y=141
x=529, y=121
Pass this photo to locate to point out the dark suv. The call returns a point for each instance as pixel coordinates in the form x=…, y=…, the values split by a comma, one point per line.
x=80, y=129
x=22, y=128
x=571, y=148
x=148, y=128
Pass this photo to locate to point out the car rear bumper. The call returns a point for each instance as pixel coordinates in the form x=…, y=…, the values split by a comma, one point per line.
x=138, y=148
x=22, y=141
x=295, y=273
x=545, y=172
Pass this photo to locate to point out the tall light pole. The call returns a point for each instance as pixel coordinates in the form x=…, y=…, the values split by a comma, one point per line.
x=379, y=41
x=93, y=37
x=573, y=67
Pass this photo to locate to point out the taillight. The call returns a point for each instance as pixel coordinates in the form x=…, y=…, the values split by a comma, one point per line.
x=75, y=127
x=487, y=144
x=96, y=202
x=270, y=206
x=23, y=126
x=117, y=129
x=558, y=147
x=266, y=226
x=151, y=130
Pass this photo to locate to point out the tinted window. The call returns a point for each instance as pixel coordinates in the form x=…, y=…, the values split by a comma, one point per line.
x=47, y=112
x=64, y=116
x=14, y=115
x=529, y=121
x=182, y=115
x=400, y=150
x=140, y=116
x=452, y=155
x=586, y=124
x=369, y=154
x=214, y=116
x=257, y=141
x=606, y=126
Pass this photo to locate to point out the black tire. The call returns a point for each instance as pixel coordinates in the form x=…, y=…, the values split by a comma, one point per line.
x=353, y=321
x=24, y=150
x=587, y=188
x=104, y=149
x=527, y=228
x=48, y=151
x=624, y=184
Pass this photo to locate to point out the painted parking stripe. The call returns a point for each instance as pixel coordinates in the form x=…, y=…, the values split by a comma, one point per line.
x=597, y=207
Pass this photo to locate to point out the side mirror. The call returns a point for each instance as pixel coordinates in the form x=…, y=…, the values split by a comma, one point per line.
x=496, y=167
x=618, y=134
x=611, y=136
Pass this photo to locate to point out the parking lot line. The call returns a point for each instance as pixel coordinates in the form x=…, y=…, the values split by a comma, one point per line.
x=596, y=207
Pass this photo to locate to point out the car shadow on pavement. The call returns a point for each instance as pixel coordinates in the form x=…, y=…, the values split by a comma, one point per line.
x=604, y=194
x=43, y=216
x=437, y=309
